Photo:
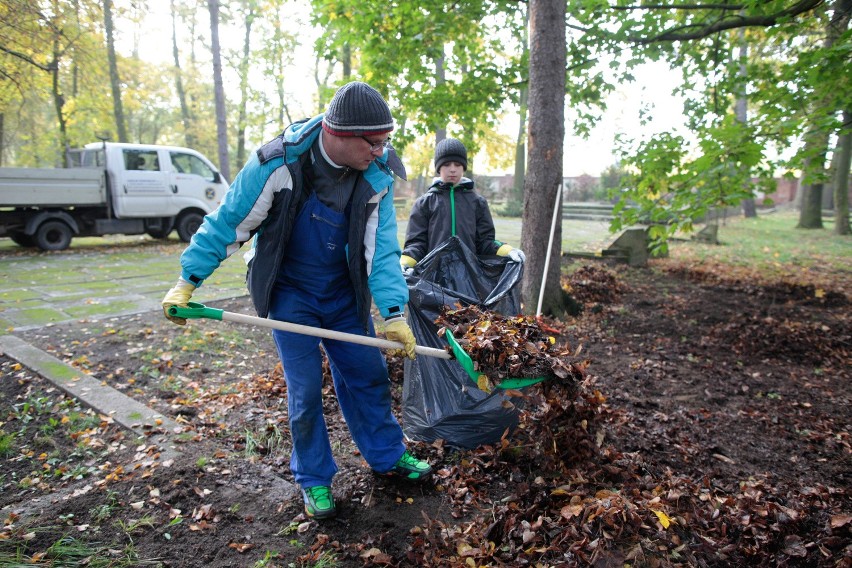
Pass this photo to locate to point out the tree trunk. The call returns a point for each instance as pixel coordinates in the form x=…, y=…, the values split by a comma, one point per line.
x=741, y=110
x=346, y=61
x=841, y=178
x=810, y=214
x=114, y=80
x=59, y=104
x=517, y=195
x=244, y=67
x=185, y=113
x=545, y=150
x=440, y=79
x=219, y=90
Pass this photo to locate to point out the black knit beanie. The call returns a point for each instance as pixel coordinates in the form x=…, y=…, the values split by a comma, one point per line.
x=450, y=150
x=357, y=109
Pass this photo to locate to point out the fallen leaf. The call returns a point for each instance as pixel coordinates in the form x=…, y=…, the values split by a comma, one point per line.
x=664, y=519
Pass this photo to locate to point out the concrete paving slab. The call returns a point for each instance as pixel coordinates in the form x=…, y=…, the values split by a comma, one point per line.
x=150, y=425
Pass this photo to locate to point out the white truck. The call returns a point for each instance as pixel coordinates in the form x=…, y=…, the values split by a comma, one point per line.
x=110, y=188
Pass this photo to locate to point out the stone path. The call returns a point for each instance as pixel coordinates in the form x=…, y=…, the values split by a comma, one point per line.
x=38, y=289
x=86, y=284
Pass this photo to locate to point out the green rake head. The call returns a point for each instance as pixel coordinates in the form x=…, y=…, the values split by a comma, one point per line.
x=480, y=379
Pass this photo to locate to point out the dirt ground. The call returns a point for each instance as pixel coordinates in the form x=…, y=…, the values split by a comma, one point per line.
x=712, y=429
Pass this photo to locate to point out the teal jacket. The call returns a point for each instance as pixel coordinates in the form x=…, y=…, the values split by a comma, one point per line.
x=263, y=202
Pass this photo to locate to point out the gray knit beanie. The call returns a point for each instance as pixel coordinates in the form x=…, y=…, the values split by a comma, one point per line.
x=357, y=109
x=450, y=150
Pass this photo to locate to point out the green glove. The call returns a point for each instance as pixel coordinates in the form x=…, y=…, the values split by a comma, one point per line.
x=178, y=296
x=504, y=250
x=406, y=261
x=397, y=330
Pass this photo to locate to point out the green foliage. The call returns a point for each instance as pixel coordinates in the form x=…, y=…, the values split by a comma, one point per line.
x=792, y=68
x=672, y=190
x=105, y=510
x=6, y=444
x=513, y=208
x=611, y=178
x=441, y=65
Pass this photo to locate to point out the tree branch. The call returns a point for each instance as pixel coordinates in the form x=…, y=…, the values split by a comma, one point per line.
x=28, y=59
x=677, y=34
x=735, y=7
x=699, y=31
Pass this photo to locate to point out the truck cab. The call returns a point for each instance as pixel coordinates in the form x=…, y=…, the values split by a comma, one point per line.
x=158, y=181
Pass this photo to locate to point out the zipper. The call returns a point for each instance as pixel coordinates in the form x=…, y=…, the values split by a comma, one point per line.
x=324, y=220
x=452, y=211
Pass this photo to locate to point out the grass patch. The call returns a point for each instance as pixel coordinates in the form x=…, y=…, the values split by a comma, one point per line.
x=772, y=240
x=264, y=441
x=771, y=247
x=67, y=550
x=7, y=442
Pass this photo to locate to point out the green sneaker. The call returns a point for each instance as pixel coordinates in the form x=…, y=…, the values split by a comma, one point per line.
x=409, y=467
x=319, y=502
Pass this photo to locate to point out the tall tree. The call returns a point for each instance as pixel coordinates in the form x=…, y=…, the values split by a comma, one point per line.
x=248, y=16
x=546, y=138
x=741, y=109
x=841, y=178
x=114, y=80
x=219, y=91
x=824, y=106
x=694, y=38
x=185, y=112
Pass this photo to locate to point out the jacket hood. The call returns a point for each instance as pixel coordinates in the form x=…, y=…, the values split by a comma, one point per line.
x=465, y=184
x=300, y=135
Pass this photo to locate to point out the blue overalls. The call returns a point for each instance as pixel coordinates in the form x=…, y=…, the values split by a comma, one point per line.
x=313, y=288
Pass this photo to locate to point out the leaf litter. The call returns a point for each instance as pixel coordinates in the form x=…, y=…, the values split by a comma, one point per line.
x=682, y=445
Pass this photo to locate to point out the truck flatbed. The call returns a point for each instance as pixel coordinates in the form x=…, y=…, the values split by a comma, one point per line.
x=52, y=187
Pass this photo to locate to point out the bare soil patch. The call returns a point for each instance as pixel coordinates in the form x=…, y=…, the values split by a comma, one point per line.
x=712, y=429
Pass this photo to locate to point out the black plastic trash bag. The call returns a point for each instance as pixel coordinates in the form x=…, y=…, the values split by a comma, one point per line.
x=439, y=399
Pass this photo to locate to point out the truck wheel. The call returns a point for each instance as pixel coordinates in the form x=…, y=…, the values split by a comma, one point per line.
x=187, y=225
x=53, y=235
x=22, y=239
x=158, y=233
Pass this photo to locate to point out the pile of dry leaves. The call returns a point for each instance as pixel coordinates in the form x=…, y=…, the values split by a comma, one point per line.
x=591, y=284
x=504, y=347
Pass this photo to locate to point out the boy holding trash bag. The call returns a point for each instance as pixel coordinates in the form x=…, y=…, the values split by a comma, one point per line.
x=451, y=207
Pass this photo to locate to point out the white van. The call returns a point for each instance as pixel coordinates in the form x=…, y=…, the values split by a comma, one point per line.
x=110, y=188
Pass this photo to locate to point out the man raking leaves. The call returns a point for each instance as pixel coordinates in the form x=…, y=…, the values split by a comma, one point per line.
x=318, y=200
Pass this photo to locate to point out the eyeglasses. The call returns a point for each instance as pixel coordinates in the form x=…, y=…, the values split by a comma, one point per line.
x=375, y=146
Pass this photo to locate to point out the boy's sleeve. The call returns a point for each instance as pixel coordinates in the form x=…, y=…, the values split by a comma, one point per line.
x=485, y=243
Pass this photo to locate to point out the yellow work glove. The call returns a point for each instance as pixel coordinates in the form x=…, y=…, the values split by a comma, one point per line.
x=178, y=296
x=504, y=250
x=406, y=261
x=397, y=329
